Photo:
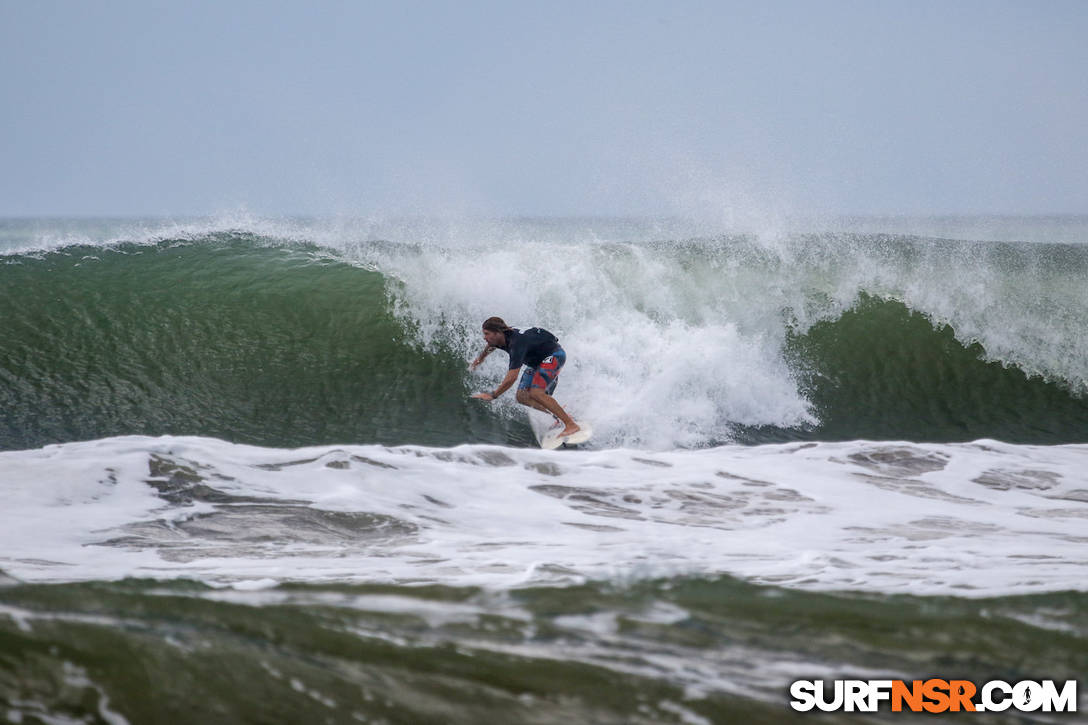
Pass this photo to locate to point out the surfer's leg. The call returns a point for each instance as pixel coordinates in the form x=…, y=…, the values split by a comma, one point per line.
x=524, y=386
x=525, y=398
x=543, y=382
x=543, y=401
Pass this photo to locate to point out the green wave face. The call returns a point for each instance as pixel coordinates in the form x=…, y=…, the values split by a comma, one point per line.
x=227, y=338
x=253, y=340
x=881, y=371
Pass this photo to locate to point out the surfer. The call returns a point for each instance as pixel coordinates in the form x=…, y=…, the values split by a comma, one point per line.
x=539, y=350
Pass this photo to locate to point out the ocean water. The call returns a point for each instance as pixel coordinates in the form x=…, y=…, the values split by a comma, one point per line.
x=243, y=479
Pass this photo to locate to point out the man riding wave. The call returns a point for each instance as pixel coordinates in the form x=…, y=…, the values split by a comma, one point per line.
x=540, y=352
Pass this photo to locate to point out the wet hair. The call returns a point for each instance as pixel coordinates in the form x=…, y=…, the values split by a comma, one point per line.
x=496, y=324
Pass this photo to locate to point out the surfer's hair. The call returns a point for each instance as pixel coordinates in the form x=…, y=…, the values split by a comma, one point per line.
x=496, y=324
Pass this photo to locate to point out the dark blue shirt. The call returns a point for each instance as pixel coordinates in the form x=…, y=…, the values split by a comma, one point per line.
x=529, y=347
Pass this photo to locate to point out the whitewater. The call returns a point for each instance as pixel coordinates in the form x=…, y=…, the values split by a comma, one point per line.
x=983, y=518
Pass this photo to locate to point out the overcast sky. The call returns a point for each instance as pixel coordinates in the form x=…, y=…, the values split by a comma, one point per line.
x=546, y=108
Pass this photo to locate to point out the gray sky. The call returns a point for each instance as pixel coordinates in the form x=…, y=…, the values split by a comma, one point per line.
x=503, y=108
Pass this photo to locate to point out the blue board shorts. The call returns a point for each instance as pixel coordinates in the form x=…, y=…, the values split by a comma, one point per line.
x=546, y=375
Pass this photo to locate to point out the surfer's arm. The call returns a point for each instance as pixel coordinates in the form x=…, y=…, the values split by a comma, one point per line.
x=511, y=376
x=480, y=358
x=510, y=379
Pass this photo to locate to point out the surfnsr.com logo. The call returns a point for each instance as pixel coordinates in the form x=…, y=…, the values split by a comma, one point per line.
x=933, y=695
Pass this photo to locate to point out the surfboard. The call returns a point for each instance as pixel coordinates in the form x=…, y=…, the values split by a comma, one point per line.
x=551, y=440
x=547, y=435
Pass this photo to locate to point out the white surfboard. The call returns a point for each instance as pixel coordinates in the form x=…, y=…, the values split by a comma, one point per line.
x=552, y=440
x=547, y=434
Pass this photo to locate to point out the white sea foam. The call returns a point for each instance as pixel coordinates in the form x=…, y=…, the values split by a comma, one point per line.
x=673, y=345
x=974, y=519
x=659, y=354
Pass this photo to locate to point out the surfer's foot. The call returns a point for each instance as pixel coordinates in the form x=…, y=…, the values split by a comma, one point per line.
x=569, y=430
